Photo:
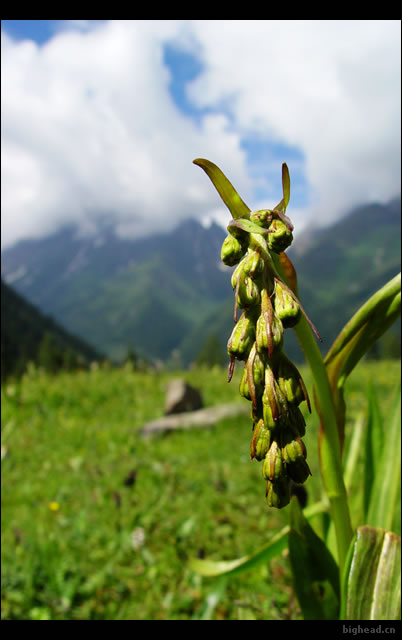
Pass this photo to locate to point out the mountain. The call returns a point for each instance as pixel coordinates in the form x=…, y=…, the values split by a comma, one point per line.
x=117, y=292
x=28, y=335
x=165, y=295
x=341, y=266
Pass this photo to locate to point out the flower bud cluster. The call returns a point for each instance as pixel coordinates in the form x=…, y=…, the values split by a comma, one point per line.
x=270, y=381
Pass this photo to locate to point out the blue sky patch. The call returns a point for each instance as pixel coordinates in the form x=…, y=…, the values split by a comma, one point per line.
x=37, y=30
x=264, y=160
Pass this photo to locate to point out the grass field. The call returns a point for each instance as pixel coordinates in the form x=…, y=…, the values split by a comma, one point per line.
x=100, y=524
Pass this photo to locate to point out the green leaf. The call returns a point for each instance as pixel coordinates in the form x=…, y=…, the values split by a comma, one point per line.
x=226, y=190
x=216, y=568
x=366, y=326
x=357, y=337
x=248, y=226
x=315, y=572
x=373, y=448
x=372, y=578
x=385, y=494
x=274, y=547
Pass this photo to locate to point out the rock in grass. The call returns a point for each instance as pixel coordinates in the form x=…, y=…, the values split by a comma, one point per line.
x=180, y=397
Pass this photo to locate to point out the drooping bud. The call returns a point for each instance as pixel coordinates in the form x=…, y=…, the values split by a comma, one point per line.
x=248, y=294
x=231, y=251
x=269, y=333
x=242, y=338
x=240, y=235
x=237, y=273
x=262, y=217
x=294, y=456
x=281, y=237
x=274, y=403
x=273, y=468
x=269, y=329
x=278, y=493
x=253, y=378
x=258, y=368
x=291, y=382
x=286, y=308
x=260, y=441
x=253, y=264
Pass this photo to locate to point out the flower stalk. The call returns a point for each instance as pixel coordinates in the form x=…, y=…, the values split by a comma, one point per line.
x=269, y=380
x=265, y=287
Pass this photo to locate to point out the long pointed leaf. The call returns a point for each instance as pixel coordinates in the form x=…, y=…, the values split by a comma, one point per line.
x=273, y=548
x=315, y=572
x=372, y=578
x=367, y=325
x=384, y=304
x=226, y=190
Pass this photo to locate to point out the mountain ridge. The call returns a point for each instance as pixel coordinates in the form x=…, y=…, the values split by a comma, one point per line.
x=164, y=295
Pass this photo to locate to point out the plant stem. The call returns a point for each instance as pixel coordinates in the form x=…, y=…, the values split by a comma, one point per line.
x=329, y=446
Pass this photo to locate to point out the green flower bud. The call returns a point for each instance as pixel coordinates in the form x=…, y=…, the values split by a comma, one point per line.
x=281, y=238
x=231, y=251
x=243, y=386
x=242, y=338
x=294, y=456
x=240, y=235
x=260, y=441
x=273, y=468
x=290, y=381
x=269, y=333
x=286, y=308
x=237, y=273
x=258, y=370
x=275, y=407
x=253, y=264
x=278, y=493
x=293, y=448
x=253, y=378
x=248, y=294
x=262, y=217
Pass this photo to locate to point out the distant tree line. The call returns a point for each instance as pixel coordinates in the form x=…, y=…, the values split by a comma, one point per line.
x=29, y=336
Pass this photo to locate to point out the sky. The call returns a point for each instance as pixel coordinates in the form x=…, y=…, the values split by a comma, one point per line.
x=101, y=120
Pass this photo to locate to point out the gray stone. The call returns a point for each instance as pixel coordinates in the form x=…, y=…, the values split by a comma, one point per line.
x=181, y=397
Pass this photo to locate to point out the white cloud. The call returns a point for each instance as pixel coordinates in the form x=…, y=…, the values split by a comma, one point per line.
x=89, y=130
x=330, y=87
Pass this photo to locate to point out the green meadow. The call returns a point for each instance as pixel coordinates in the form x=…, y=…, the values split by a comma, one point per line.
x=100, y=524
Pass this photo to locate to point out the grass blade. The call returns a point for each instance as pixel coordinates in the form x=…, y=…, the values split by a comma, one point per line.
x=386, y=489
x=373, y=447
x=315, y=572
x=212, y=600
x=274, y=547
